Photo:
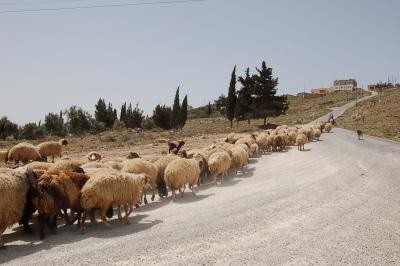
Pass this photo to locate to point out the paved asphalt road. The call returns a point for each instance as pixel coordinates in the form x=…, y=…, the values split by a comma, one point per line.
x=337, y=203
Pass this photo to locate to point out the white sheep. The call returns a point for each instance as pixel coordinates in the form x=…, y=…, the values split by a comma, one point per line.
x=219, y=164
x=255, y=150
x=14, y=187
x=24, y=152
x=51, y=148
x=181, y=172
x=105, y=189
x=301, y=139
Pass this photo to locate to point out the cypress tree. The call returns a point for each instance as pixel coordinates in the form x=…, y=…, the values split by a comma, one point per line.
x=231, y=100
x=209, y=109
x=175, y=110
x=183, y=112
x=122, y=115
x=245, y=108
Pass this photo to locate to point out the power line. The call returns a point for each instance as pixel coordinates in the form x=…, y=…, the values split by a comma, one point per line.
x=101, y=6
x=43, y=2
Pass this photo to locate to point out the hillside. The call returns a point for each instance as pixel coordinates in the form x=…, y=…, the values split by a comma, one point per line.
x=377, y=117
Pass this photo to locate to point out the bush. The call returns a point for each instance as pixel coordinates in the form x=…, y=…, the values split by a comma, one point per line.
x=148, y=123
x=32, y=131
x=79, y=121
x=98, y=127
x=162, y=116
x=118, y=125
x=7, y=128
x=54, y=124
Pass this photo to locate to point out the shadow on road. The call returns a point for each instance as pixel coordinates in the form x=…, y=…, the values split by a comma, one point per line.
x=67, y=235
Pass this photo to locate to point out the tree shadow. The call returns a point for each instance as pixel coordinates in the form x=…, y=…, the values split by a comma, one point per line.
x=70, y=234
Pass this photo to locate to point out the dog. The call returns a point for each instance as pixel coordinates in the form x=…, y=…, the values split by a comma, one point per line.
x=360, y=134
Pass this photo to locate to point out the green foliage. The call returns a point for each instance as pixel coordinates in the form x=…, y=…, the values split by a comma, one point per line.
x=118, y=125
x=162, y=116
x=32, y=131
x=175, y=111
x=104, y=113
x=54, y=124
x=79, y=121
x=209, y=109
x=134, y=117
x=244, y=104
x=183, y=112
x=7, y=128
x=232, y=98
x=148, y=123
x=220, y=104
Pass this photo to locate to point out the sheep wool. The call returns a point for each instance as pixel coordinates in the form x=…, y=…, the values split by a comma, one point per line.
x=317, y=133
x=300, y=141
x=219, y=164
x=181, y=172
x=24, y=152
x=51, y=148
x=328, y=127
x=3, y=155
x=13, y=190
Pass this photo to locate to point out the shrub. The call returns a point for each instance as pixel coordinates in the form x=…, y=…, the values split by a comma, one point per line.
x=118, y=125
x=148, y=123
x=7, y=128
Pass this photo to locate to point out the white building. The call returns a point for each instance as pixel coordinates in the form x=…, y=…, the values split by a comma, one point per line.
x=344, y=85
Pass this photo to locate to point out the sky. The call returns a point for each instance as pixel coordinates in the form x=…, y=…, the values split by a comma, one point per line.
x=51, y=60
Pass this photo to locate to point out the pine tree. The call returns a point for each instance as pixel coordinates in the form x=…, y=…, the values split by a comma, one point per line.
x=175, y=110
x=245, y=108
x=266, y=102
x=122, y=115
x=183, y=112
x=100, y=113
x=209, y=109
x=231, y=100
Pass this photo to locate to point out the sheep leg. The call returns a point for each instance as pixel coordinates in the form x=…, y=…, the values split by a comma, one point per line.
x=66, y=217
x=119, y=213
x=41, y=226
x=215, y=180
x=82, y=223
x=52, y=223
x=193, y=192
x=53, y=159
x=1, y=241
x=173, y=195
x=154, y=195
x=127, y=212
x=103, y=217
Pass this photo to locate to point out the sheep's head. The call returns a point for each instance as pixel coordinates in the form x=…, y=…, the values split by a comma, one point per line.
x=94, y=156
x=64, y=142
x=132, y=155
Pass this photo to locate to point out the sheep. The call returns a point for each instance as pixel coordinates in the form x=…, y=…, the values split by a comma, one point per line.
x=301, y=139
x=270, y=142
x=51, y=148
x=181, y=172
x=262, y=141
x=160, y=165
x=232, y=138
x=328, y=127
x=285, y=139
x=151, y=158
x=175, y=147
x=65, y=165
x=310, y=133
x=219, y=164
x=106, y=189
x=277, y=143
x=247, y=141
x=292, y=136
x=199, y=155
x=114, y=165
x=24, y=152
x=39, y=165
x=255, y=150
x=239, y=156
x=138, y=166
x=3, y=155
x=93, y=156
x=94, y=164
x=14, y=187
x=317, y=133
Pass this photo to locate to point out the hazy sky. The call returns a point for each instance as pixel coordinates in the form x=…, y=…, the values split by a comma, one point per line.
x=51, y=60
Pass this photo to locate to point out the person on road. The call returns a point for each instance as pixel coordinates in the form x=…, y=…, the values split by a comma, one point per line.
x=331, y=118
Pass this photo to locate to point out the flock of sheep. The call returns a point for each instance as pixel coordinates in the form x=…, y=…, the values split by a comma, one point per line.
x=95, y=187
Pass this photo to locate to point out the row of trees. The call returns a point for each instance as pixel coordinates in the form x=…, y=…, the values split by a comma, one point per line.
x=256, y=97
x=79, y=121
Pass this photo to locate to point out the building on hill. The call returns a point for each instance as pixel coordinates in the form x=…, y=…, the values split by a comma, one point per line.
x=320, y=91
x=344, y=85
x=372, y=87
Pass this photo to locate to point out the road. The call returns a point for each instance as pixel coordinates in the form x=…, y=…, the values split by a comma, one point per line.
x=337, y=203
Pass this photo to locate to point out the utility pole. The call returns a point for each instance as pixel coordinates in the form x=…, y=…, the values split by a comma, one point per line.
x=356, y=96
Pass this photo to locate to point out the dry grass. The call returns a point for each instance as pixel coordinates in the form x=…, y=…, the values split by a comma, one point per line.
x=197, y=132
x=381, y=116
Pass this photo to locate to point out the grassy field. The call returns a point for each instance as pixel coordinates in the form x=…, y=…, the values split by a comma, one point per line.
x=197, y=131
x=378, y=116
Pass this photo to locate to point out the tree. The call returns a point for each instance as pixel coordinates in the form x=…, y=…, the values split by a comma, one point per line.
x=122, y=115
x=266, y=103
x=162, y=116
x=231, y=100
x=134, y=117
x=28, y=131
x=220, y=104
x=54, y=124
x=183, y=113
x=209, y=109
x=175, y=111
x=244, y=106
x=7, y=128
x=105, y=113
x=79, y=121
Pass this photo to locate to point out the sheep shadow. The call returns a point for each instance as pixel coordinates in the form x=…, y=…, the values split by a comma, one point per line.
x=188, y=197
x=306, y=150
x=69, y=234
